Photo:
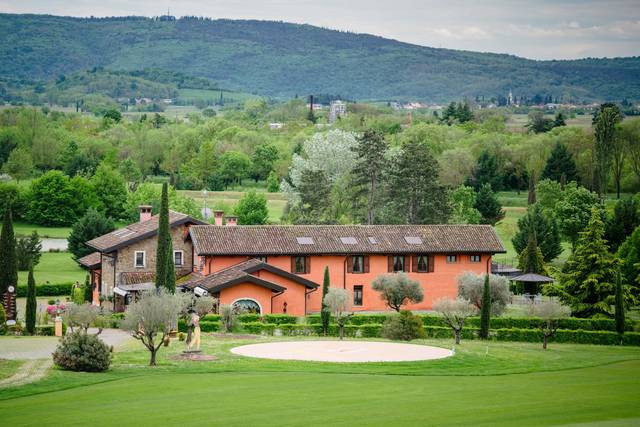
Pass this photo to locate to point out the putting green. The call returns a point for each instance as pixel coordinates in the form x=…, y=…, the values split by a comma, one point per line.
x=602, y=395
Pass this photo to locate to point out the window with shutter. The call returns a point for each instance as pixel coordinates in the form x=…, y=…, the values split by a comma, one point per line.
x=300, y=264
x=366, y=264
x=398, y=263
x=357, y=264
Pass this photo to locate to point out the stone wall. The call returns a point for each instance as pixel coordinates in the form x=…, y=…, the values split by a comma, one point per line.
x=125, y=258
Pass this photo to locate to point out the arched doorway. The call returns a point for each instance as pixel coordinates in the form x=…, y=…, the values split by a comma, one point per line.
x=247, y=305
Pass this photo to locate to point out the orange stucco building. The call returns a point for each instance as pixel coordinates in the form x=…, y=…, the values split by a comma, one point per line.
x=279, y=269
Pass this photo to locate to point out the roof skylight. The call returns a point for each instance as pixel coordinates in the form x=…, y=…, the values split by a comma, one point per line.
x=413, y=240
x=348, y=240
x=305, y=240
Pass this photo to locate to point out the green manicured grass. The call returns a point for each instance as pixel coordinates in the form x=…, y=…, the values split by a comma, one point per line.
x=8, y=367
x=227, y=201
x=55, y=267
x=25, y=229
x=485, y=383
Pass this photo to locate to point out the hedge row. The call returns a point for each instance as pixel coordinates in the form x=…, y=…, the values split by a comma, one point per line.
x=373, y=331
x=277, y=319
x=60, y=289
x=571, y=323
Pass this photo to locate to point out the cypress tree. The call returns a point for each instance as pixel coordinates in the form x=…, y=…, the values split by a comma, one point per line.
x=619, y=304
x=485, y=311
x=325, y=314
x=165, y=270
x=30, y=312
x=531, y=197
x=8, y=261
x=88, y=289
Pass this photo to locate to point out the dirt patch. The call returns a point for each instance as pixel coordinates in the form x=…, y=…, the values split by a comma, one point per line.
x=196, y=357
x=30, y=371
x=235, y=336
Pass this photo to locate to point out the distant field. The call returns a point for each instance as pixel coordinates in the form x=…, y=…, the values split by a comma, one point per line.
x=227, y=200
x=55, y=267
x=192, y=95
x=24, y=229
x=517, y=122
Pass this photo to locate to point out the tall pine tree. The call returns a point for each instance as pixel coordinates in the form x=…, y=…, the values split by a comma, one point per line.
x=587, y=282
x=559, y=163
x=485, y=310
x=546, y=229
x=604, y=127
x=488, y=205
x=325, y=314
x=8, y=261
x=371, y=150
x=30, y=312
x=165, y=269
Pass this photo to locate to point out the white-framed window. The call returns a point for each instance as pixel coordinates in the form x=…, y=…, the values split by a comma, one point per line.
x=139, y=259
x=452, y=259
x=178, y=258
x=474, y=258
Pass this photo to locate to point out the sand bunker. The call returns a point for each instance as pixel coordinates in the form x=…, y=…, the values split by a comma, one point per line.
x=342, y=351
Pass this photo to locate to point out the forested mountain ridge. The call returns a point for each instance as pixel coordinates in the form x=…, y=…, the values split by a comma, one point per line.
x=281, y=59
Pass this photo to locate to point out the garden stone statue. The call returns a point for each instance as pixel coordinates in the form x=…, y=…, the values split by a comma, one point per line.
x=195, y=337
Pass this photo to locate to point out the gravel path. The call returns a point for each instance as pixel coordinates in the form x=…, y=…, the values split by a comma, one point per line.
x=342, y=351
x=32, y=348
x=30, y=371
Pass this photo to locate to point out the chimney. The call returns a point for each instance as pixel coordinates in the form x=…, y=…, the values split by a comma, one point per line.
x=145, y=212
x=217, y=217
x=232, y=221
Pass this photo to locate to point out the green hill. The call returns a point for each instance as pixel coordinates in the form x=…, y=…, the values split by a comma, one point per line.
x=280, y=59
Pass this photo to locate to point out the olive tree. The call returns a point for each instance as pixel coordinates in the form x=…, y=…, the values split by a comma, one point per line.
x=454, y=313
x=550, y=311
x=152, y=317
x=396, y=289
x=471, y=287
x=84, y=316
x=339, y=303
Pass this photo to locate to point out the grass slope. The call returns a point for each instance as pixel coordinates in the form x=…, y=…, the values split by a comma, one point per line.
x=483, y=384
x=55, y=267
x=281, y=59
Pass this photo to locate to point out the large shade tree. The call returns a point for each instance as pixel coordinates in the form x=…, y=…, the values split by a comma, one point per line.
x=413, y=193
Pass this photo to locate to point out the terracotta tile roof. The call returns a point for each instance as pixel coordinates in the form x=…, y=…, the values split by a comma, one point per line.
x=343, y=239
x=136, y=277
x=137, y=231
x=90, y=261
x=241, y=273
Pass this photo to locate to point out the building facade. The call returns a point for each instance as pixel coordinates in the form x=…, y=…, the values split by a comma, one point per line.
x=125, y=259
x=279, y=269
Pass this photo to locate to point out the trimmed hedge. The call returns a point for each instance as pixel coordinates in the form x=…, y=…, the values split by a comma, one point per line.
x=60, y=289
x=205, y=326
x=49, y=330
x=571, y=323
x=277, y=319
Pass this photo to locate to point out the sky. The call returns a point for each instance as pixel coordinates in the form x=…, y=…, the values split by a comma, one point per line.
x=542, y=29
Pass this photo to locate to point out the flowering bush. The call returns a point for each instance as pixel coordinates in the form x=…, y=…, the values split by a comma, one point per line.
x=55, y=309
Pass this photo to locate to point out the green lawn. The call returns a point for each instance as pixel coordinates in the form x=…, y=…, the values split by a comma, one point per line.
x=490, y=384
x=25, y=229
x=56, y=267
